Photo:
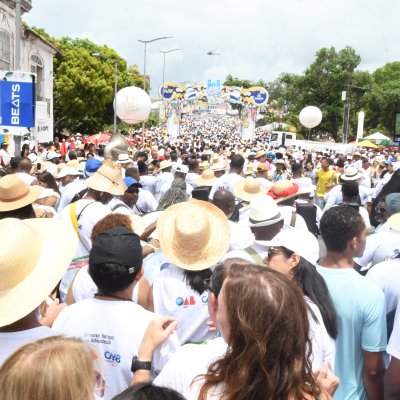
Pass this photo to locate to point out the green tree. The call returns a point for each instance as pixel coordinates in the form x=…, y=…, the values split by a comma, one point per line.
x=84, y=84
x=382, y=102
x=321, y=86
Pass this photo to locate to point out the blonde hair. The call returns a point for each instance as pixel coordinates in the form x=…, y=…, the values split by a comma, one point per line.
x=54, y=368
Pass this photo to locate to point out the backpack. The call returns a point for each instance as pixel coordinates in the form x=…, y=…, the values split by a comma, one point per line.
x=309, y=212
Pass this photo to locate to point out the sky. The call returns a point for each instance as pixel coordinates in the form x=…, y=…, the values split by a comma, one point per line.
x=255, y=39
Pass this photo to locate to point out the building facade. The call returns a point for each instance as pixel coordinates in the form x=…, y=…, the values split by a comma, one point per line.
x=36, y=56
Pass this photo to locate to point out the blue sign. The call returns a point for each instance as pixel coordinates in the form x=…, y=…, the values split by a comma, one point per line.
x=17, y=104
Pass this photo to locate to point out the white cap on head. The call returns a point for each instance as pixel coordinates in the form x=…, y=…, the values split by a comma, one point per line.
x=299, y=241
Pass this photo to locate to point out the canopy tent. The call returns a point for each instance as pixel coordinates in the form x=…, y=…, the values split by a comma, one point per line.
x=377, y=136
x=367, y=143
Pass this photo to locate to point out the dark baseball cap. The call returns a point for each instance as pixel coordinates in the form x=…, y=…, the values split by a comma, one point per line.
x=117, y=245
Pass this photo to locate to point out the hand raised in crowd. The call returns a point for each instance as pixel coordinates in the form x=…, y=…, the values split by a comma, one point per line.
x=51, y=313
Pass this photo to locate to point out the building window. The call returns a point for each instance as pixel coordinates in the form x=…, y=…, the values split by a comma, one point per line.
x=37, y=68
x=5, y=51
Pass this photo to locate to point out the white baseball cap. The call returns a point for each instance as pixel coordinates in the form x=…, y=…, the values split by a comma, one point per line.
x=299, y=241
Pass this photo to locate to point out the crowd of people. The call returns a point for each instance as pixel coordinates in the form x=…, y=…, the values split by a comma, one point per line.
x=199, y=267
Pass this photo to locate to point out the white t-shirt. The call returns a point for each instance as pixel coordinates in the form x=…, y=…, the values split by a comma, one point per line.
x=84, y=287
x=148, y=182
x=227, y=182
x=286, y=212
x=161, y=179
x=188, y=362
x=378, y=247
x=260, y=247
x=191, y=179
x=323, y=346
x=115, y=329
x=70, y=191
x=146, y=201
x=93, y=211
x=265, y=183
x=393, y=347
x=241, y=236
x=28, y=179
x=11, y=341
x=334, y=196
x=173, y=296
x=386, y=275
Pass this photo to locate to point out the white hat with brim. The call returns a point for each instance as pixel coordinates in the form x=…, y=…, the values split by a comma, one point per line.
x=65, y=171
x=28, y=276
x=218, y=167
x=351, y=174
x=247, y=189
x=207, y=178
x=108, y=178
x=194, y=235
x=165, y=164
x=14, y=193
x=263, y=211
x=299, y=241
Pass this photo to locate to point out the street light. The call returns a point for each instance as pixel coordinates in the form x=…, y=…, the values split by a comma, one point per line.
x=115, y=84
x=163, y=71
x=145, y=52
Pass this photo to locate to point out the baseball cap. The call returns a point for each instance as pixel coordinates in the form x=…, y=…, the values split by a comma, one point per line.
x=299, y=241
x=117, y=245
x=131, y=181
x=262, y=167
x=91, y=166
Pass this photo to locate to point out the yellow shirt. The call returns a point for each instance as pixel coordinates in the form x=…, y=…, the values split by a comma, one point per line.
x=324, y=178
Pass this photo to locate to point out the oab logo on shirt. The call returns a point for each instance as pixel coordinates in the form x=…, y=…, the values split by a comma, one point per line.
x=112, y=357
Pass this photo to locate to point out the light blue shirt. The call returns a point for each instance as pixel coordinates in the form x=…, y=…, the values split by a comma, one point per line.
x=360, y=307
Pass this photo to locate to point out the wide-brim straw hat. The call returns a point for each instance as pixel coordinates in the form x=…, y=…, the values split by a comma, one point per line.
x=260, y=153
x=284, y=190
x=194, y=235
x=15, y=193
x=207, y=178
x=73, y=164
x=108, y=178
x=32, y=263
x=165, y=164
x=218, y=167
x=247, y=189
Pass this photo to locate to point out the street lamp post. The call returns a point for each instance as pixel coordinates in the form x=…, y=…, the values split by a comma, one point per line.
x=163, y=71
x=115, y=84
x=145, y=52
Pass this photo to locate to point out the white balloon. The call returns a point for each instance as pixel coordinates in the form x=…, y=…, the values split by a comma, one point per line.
x=310, y=116
x=133, y=104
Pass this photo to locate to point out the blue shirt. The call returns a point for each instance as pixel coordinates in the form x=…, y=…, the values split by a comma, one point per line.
x=360, y=307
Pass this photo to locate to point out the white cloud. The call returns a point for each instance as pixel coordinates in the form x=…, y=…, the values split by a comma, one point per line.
x=257, y=39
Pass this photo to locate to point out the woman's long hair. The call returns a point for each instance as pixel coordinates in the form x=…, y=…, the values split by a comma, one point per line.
x=269, y=349
x=49, y=180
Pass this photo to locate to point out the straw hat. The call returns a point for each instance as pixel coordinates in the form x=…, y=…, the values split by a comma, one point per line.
x=261, y=153
x=73, y=164
x=44, y=166
x=165, y=164
x=207, y=178
x=138, y=225
x=14, y=193
x=108, y=178
x=194, y=235
x=283, y=190
x=247, y=189
x=65, y=171
x=25, y=276
x=218, y=167
x=351, y=174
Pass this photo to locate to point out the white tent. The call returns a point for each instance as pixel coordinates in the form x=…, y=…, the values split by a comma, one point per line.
x=377, y=136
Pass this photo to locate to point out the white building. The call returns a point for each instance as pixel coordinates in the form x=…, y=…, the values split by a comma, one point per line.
x=36, y=56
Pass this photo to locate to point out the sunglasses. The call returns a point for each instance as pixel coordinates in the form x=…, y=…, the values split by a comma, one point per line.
x=133, y=191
